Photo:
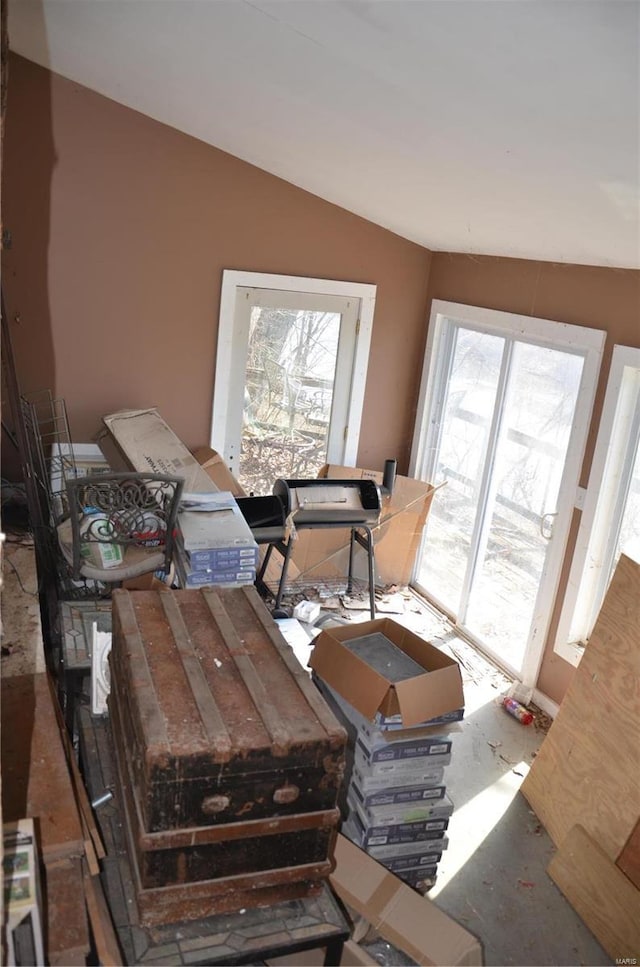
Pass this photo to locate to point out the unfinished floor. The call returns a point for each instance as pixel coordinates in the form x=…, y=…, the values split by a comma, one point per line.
x=493, y=877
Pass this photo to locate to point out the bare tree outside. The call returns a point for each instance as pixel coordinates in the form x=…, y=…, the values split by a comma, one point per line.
x=289, y=385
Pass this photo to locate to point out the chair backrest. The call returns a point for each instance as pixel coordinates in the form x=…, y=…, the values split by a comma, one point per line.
x=123, y=510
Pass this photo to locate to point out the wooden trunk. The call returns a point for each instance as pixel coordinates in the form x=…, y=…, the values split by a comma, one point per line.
x=177, y=856
x=228, y=758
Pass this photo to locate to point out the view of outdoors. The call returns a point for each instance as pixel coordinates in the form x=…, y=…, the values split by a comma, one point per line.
x=487, y=534
x=289, y=384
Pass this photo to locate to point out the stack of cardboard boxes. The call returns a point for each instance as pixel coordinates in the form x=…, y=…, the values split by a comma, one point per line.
x=214, y=544
x=395, y=804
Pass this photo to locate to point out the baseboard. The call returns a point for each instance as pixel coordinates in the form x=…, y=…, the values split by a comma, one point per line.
x=545, y=703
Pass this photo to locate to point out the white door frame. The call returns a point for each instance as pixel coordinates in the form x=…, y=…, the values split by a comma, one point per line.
x=589, y=343
x=232, y=281
x=587, y=563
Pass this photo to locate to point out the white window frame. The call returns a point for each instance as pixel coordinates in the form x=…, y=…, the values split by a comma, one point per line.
x=232, y=281
x=544, y=332
x=614, y=436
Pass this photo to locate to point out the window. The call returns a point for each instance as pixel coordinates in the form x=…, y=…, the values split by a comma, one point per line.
x=610, y=521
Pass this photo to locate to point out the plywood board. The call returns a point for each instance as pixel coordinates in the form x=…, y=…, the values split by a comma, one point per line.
x=629, y=859
x=35, y=777
x=588, y=768
x=600, y=893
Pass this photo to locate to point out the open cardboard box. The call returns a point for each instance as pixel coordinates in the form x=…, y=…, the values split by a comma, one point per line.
x=416, y=699
x=216, y=469
x=325, y=553
x=400, y=914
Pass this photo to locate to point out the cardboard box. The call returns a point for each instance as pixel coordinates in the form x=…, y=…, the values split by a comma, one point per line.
x=228, y=577
x=403, y=917
x=146, y=443
x=216, y=469
x=434, y=748
x=393, y=814
x=223, y=528
x=397, y=795
x=325, y=553
x=400, y=833
x=396, y=774
x=437, y=691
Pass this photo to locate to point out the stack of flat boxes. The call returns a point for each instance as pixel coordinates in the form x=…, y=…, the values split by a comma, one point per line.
x=229, y=761
x=215, y=546
x=396, y=806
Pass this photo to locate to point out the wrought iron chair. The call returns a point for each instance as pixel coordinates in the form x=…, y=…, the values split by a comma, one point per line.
x=120, y=525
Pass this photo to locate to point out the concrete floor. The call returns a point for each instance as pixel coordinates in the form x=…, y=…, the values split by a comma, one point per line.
x=493, y=878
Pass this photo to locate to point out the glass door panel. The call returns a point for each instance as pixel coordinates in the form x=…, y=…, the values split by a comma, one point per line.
x=462, y=450
x=289, y=391
x=529, y=461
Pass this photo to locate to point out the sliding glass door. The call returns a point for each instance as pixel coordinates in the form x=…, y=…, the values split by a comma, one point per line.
x=503, y=422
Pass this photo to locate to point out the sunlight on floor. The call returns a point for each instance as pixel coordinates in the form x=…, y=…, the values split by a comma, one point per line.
x=474, y=820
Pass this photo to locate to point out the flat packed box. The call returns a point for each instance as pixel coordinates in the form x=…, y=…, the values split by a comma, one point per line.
x=209, y=560
x=435, y=691
x=408, y=774
x=392, y=836
x=146, y=443
x=188, y=577
x=221, y=527
x=365, y=836
x=427, y=865
x=418, y=848
x=435, y=748
x=394, y=813
x=397, y=795
x=410, y=858
x=409, y=921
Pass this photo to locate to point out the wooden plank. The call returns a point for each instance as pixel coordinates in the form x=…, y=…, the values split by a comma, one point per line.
x=35, y=776
x=600, y=893
x=281, y=738
x=104, y=935
x=629, y=859
x=124, y=616
x=212, y=720
x=587, y=770
x=93, y=843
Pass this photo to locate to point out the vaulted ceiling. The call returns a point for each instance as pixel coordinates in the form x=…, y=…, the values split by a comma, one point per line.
x=481, y=126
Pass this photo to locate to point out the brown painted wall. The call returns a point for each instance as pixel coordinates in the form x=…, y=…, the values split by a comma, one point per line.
x=600, y=298
x=121, y=230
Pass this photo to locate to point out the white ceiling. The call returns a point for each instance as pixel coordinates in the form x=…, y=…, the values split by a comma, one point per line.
x=482, y=126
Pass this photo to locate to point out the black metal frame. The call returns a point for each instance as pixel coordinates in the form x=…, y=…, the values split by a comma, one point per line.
x=135, y=509
x=286, y=546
